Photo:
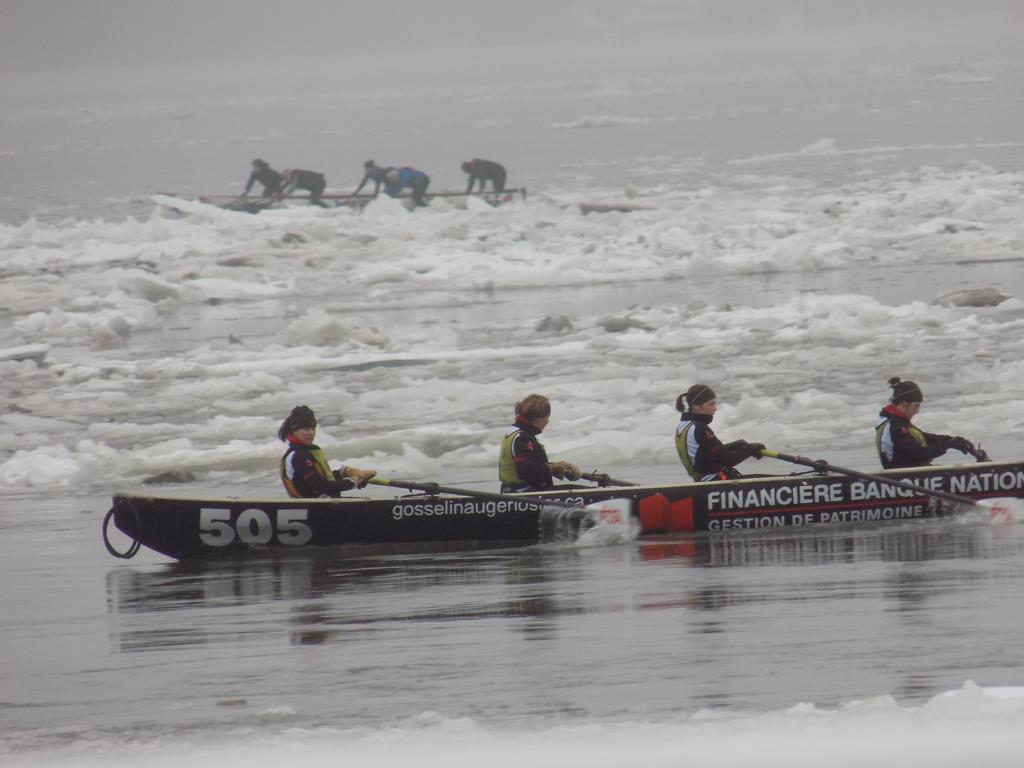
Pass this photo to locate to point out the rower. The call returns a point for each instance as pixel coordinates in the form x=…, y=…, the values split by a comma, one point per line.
x=900, y=443
x=702, y=453
x=523, y=462
x=305, y=472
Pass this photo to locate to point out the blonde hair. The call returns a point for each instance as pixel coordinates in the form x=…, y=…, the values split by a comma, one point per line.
x=533, y=406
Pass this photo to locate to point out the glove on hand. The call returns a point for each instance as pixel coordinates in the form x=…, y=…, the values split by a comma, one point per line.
x=962, y=444
x=563, y=469
x=359, y=476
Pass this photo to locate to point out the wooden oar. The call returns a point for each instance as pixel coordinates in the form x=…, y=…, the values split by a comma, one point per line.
x=996, y=508
x=602, y=479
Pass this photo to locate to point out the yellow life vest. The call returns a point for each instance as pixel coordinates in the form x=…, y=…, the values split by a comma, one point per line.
x=319, y=460
x=915, y=433
x=684, y=455
x=506, y=461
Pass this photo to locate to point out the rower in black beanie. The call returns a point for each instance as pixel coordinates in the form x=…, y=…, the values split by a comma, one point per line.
x=900, y=443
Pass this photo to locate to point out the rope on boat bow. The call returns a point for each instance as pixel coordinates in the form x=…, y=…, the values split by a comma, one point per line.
x=136, y=539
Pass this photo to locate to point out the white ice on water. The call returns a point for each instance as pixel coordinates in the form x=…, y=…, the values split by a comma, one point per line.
x=180, y=342
x=969, y=727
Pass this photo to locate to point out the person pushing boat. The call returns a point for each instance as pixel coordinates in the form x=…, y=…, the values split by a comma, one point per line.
x=416, y=181
x=313, y=182
x=375, y=173
x=305, y=472
x=265, y=175
x=900, y=443
x=704, y=456
x=523, y=463
x=484, y=171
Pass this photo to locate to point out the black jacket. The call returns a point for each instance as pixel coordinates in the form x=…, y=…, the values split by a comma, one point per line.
x=484, y=171
x=305, y=473
x=712, y=459
x=910, y=446
x=309, y=180
x=378, y=176
x=268, y=177
x=522, y=450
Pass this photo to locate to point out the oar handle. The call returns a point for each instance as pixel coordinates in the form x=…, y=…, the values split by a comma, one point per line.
x=431, y=488
x=819, y=464
x=602, y=479
x=980, y=454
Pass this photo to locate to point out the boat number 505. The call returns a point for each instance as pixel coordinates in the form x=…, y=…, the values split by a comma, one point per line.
x=253, y=526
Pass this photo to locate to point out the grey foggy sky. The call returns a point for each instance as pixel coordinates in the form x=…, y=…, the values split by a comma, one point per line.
x=59, y=34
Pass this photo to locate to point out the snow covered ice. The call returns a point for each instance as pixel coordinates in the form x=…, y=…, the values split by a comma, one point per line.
x=177, y=343
x=972, y=726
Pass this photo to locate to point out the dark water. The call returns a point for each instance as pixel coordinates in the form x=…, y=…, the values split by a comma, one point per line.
x=93, y=647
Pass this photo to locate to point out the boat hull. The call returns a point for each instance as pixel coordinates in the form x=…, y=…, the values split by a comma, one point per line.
x=182, y=528
x=184, y=204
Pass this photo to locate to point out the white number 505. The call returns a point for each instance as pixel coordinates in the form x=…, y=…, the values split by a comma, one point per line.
x=253, y=526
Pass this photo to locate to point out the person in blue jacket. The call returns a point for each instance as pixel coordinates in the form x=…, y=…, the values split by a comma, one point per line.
x=398, y=179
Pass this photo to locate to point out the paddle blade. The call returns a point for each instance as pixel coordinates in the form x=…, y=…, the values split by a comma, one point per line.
x=610, y=522
x=561, y=525
x=1003, y=510
x=605, y=522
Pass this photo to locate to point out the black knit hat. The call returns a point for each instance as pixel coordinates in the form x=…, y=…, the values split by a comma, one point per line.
x=301, y=416
x=905, y=391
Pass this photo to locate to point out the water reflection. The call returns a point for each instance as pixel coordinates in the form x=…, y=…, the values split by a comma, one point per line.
x=915, y=541
x=328, y=596
x=323, y=597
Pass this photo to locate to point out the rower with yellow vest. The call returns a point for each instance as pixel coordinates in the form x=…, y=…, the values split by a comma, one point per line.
x=900, y=443
x=305, y=472
x=523, y=462
x=704, y=456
